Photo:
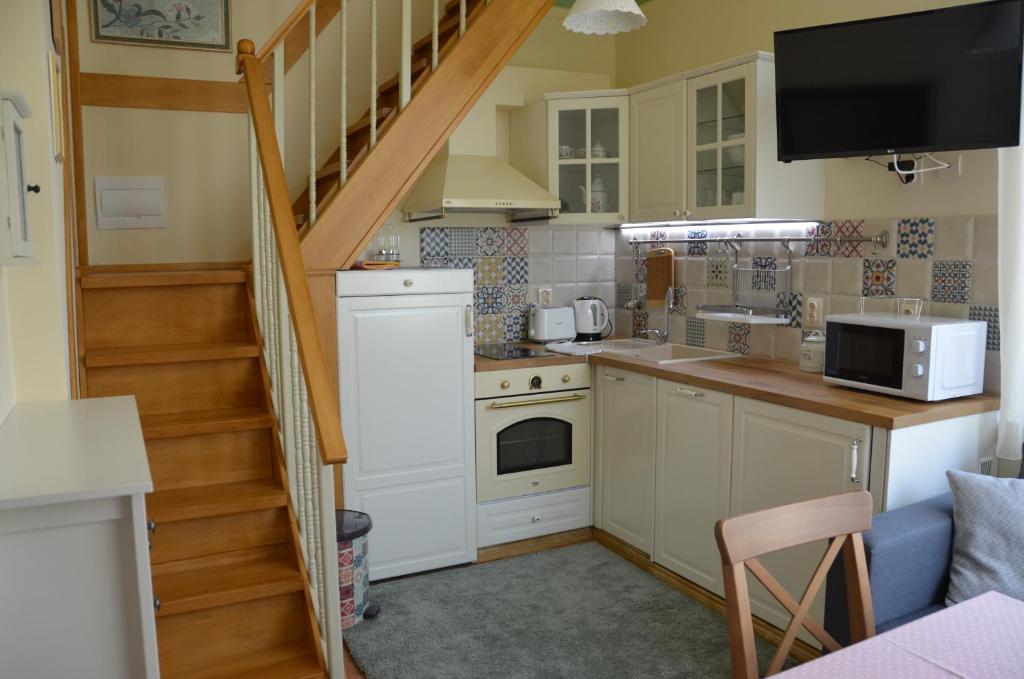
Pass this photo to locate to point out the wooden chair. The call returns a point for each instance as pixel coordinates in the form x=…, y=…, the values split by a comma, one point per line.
x=741, y=539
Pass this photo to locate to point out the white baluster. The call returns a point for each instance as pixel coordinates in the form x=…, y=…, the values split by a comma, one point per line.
x=373, y=73
x=254, y=208
x=405, y=67
x=312, y=114
x=462, y=17
x=281, y=316
x=433, y=38
x=331, y=631
x=343, y=154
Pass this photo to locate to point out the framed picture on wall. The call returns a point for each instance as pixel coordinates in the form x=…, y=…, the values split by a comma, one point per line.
x=190, y=24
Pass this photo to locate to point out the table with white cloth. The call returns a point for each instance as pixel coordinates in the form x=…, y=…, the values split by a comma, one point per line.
x=982, y=638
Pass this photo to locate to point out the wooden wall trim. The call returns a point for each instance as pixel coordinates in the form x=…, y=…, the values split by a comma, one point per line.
x=168, y=94
x=349, y=222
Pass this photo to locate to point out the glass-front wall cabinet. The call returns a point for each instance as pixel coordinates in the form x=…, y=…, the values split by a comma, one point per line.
x=589, y=158
x=720, y=143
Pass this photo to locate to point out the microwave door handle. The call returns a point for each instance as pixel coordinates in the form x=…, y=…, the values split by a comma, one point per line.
x=855, y=460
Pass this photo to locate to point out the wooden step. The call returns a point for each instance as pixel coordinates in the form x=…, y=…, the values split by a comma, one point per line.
x=195, y=590
x=205, y=422
x=214, y=535
x=166, y=388
x=168, y=314
x=169, y=353
x=161, y=278
x=211, y=458
x=198, y=502
x=297, y=661
x=221, y=641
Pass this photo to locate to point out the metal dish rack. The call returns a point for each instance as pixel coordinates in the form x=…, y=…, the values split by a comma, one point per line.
x=759, y=296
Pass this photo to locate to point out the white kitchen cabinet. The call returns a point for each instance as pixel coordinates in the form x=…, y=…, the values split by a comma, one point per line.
x=577, y=145
x=781, y=455
x=406, y=361
x=658, y=158
x=626, y=404
x=15, y=236
x=693, y=463
x=732, y=166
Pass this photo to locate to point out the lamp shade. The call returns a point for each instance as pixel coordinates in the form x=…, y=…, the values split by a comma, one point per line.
x=603, y=17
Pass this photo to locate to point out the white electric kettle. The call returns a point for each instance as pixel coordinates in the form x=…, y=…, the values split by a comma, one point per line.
x=591, y=318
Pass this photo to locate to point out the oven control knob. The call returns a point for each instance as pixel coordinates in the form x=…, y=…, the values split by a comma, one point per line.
x=919, y=346
x=917, y=370
x=565, y=379
x=504, y=384
x=536, y=382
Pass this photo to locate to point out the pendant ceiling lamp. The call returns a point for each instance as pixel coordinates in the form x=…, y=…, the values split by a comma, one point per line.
x=603, y=17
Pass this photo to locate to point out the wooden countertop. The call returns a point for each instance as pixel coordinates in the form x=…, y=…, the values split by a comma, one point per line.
x=483, y=364
x=65, y=451
x=784, y=384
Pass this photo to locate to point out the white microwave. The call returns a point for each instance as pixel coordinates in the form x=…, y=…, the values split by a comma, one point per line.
x=927, y=358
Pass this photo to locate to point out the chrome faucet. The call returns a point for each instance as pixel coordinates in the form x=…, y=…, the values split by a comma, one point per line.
x=660, y=336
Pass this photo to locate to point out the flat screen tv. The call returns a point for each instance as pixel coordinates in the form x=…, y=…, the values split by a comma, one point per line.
x=942, y=80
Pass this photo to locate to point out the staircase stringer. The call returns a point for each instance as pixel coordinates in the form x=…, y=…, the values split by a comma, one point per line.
x=349, y=222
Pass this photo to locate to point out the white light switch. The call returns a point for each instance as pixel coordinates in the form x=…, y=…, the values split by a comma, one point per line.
x=130, y=203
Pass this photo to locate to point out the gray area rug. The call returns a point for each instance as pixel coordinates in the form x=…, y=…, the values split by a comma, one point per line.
x=579, y=611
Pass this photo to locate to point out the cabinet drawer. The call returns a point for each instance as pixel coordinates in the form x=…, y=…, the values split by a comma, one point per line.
x=530, y=517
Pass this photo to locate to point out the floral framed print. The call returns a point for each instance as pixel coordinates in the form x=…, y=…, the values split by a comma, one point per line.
x=191, y=24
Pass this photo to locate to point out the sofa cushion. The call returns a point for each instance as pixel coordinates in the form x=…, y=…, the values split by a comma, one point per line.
x=988, y=532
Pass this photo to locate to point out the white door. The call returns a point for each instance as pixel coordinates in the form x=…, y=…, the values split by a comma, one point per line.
x=406, y=366
x=658, y=165
x=626, y=417
x=588, y=158
x=781, y=455
x=694, y=452
x=720, y=143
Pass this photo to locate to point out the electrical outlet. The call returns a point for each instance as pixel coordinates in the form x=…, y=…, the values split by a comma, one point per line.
x=545, y=296
x=813, y=311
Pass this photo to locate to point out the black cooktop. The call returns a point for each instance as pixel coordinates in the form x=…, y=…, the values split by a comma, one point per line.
x=508, y=351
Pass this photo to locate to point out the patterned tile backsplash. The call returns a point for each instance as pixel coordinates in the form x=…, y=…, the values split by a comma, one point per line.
x=949, y=262
x=511, y=263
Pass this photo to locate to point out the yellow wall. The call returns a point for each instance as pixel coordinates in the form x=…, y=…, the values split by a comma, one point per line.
x=36, y=312
x=685, y=34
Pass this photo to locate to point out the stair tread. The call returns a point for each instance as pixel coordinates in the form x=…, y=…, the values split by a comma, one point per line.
x=161, y=278
x=284, y=662
x=169, y=353
x=201, y=588
x=214, y=500
x=205, y=422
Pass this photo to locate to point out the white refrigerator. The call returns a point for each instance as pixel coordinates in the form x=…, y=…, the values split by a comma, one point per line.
x=405, y=350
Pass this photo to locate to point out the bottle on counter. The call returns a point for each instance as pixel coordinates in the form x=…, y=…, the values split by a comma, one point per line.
x=812, y=352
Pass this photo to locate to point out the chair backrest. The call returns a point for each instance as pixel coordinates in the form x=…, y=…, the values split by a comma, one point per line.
x=742, y=539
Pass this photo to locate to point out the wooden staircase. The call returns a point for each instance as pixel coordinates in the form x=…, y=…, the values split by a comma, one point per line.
x=358, y=134
x=227, y=568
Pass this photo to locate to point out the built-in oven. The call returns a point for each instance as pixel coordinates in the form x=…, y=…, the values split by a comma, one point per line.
x=532, y=431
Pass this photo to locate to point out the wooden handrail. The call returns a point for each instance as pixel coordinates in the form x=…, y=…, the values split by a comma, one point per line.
x=284, y=29
x=323, y=401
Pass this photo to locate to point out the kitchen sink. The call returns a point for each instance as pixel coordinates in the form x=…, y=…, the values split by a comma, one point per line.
x=672, y=353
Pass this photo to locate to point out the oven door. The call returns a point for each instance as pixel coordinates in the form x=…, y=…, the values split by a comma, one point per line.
x=532, y=444
x=865, y=354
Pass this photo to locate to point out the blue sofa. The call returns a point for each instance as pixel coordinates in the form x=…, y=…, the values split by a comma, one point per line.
x=908, y=552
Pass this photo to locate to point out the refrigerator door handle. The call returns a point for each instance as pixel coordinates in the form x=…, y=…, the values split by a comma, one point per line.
x=469, y=320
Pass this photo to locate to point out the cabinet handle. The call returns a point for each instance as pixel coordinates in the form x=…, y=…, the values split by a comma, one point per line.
x=535, y=518
x=690, y=392
x=469, y=320
x=151, y=526
x=854, y=460
x=612, y=378
x=676, y=213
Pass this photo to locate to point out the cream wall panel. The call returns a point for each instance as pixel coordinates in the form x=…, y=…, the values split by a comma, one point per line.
x=206, y=178
x=36, y=300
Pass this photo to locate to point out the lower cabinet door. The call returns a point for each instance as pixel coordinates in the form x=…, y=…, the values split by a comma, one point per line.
x=693, y=457
x=627, y=405
x=781, y=456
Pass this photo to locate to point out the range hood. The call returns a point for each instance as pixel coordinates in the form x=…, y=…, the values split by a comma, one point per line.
x=477, y=184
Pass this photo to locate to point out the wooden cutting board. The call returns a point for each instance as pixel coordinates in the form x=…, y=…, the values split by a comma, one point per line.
x=661, y=275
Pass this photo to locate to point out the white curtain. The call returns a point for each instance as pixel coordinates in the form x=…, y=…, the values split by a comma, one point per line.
x=1011, y=308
